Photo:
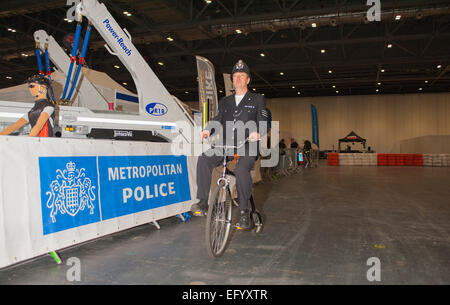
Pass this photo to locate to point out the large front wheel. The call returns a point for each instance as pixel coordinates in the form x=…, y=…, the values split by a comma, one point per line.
x=218, y=221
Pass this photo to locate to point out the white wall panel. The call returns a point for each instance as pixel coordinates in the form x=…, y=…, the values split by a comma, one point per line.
x=384, y=120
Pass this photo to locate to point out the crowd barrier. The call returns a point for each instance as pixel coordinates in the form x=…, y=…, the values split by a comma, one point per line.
x=55, y=193
x=371, y=159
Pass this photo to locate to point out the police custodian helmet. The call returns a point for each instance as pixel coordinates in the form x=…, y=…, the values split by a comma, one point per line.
x=240, y=66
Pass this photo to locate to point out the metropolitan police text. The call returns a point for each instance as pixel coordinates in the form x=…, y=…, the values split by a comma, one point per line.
x=136, y=172
x=147, y=191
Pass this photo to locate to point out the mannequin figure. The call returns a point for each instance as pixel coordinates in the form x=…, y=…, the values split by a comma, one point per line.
x=41, y=116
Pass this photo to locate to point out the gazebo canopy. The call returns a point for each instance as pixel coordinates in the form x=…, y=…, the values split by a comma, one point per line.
x=352, y=137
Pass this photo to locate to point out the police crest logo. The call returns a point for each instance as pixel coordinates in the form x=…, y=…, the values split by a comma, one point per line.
x=70, y=192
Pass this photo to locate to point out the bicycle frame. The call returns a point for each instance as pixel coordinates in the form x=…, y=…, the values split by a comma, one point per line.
x=217, y=236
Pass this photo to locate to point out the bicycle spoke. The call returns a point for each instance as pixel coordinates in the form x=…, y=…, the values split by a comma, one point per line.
x=218, y=224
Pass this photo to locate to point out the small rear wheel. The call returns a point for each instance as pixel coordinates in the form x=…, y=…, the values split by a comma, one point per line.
x=257, y=222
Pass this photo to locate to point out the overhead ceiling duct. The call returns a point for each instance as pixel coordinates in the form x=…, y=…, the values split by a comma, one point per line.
x=324, y=20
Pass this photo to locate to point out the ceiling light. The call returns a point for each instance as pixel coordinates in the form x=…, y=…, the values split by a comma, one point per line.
x=314, y=25
x=160, y=63
x=262, y=54
x=322, y=51
x=125, y=13
x=208, y=1
x=298, y=93
x=398, y=17
x=334, y=86
x=262, y=94
x=382, y=70
x=124, y=84
x=169, y=38
x=337, y=91
x=379, y=84
x=220, y=91
x=329, y=71
x=9, y=77
x=238, y=31
x=389, y=46
x=439, y=66
x=187, y=92
x=419, y=15
x=293, y=87
x=281, y=73
x=377, y=90
x=420, y=89
x=426, y=82
x=129, y=15
x=13, y=30
x=24, y=55
x=116, y=66
x=254, y=89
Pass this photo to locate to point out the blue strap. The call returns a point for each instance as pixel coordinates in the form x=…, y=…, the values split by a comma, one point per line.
x=49, y=75
x=81, y=61
x=39, y=61
x=72, y=59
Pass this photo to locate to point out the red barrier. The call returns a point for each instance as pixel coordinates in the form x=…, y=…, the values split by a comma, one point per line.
x=386, y=159
x=382, y=160
x=333, y=159
x=400, y=159
x=418, y=160
x=391, y=160
x=409, y=159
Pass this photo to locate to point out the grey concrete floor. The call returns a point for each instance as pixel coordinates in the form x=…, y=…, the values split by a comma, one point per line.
x=322, y=226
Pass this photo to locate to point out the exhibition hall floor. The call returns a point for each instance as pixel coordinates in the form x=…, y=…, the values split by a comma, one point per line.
x=326, y=225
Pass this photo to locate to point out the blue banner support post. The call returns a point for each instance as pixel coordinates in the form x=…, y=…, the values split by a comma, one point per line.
x=315, y=125
x=184, y=217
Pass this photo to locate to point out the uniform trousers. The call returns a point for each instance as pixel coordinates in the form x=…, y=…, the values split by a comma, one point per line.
x=206, y=164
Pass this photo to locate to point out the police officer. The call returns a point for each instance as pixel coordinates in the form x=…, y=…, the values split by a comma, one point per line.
x=41, y=117
x=234, y=112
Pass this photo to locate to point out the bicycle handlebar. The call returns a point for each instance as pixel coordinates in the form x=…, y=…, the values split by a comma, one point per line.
x=233, y=146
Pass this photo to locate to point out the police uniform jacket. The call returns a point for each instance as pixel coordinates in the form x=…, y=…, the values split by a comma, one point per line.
x=251, y=108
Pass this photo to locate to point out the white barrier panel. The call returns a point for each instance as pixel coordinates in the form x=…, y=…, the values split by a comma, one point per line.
x=55, y=193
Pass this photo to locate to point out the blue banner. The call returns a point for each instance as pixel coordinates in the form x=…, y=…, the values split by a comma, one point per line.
x=132, y=184
x=77, y=191
x=315, y=125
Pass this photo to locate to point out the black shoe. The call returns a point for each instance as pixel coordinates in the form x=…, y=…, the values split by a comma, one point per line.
x=200, y=208
x=244, y=221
